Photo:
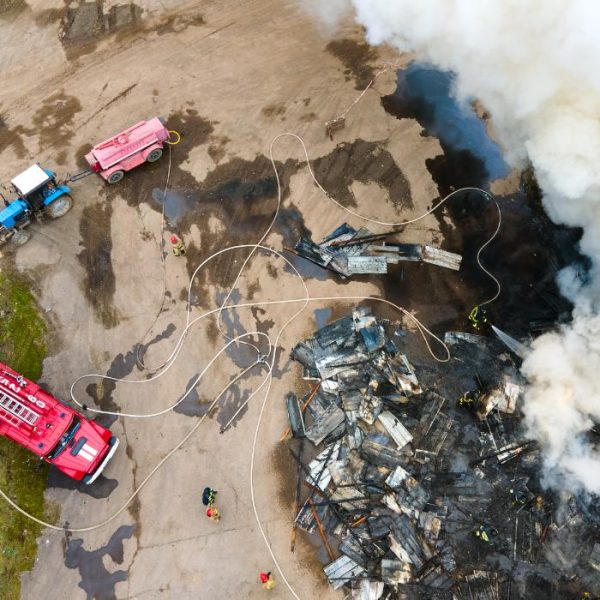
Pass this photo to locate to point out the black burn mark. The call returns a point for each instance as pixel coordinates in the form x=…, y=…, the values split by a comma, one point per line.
x=525, y=256
x=96, y=580
x=241, y=195
x=365, y=162
x=99, y=280
x=354, y=55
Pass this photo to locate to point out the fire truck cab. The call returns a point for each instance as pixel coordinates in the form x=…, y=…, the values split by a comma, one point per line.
x=55, y=432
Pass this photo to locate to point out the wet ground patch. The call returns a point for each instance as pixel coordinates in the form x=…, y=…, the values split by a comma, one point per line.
x=355, y=56
x=53, y=121
x=11, y=137
x=96, y=580
x=95, y=258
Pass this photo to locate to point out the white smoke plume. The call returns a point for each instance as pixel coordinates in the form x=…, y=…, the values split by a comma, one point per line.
x=535, y=66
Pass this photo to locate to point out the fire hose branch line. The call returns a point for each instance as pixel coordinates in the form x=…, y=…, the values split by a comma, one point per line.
x=271, y=354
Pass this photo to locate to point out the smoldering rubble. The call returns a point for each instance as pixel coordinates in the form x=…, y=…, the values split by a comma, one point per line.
x=417, y=477
x=348, y=252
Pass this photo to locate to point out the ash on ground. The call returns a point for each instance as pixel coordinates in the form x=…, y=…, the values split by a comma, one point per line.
x=418, y=478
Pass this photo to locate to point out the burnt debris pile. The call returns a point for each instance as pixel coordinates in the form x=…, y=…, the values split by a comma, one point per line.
x=348, y=252
x=424, y=487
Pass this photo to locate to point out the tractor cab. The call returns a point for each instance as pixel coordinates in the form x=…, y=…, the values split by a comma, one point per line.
x=34, y=185
x=38, y=194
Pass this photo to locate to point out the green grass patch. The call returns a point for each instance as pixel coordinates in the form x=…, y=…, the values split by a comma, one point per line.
x=22, y=475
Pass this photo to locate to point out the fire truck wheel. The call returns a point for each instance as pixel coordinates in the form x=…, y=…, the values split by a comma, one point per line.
x=20, y=238
x=154, y=155
x=61, y=206
x=115, y=177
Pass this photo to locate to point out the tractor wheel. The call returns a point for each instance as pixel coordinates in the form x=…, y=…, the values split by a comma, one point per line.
x=115, y=177
x=61, y=206
x=154, y=155
x=20, y=238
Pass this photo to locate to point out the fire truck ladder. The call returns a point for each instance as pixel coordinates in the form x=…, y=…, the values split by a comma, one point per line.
x=15, y=408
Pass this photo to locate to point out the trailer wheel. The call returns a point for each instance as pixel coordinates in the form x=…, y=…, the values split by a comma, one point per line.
x=154, y=155
x=20, y=238
x=115, y=177
x=61, y=206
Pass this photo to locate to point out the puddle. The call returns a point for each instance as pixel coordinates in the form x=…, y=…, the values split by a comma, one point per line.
x=425, y=94
x=96, y=580
x=176, y=204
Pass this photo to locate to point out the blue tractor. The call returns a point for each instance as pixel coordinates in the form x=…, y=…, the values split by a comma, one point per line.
x=39, y=195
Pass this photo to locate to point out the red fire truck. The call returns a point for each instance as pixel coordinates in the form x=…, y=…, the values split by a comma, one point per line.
x=59, y=435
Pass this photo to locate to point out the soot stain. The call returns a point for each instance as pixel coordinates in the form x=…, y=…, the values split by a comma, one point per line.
x=355, y=56
x=365, y=162
x=95, y=257
x=96, y=580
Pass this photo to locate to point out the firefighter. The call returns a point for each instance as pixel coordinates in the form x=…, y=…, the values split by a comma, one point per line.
x=486, y=533
x=212, y=512
x=468, y=399
x=208, y=496
x=178, y=247
x=267, y=580
x=519, y=497
x=478, y=318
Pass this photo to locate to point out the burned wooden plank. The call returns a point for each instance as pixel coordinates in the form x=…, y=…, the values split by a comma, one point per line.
x=295, y=415
x=342, y=571
x=332, y=417
x=367, y=265
x=441, y=258
x=394, y=572
x=394, y=427
x=380, y=455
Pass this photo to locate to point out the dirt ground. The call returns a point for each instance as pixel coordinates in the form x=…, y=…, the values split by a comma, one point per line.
x=229, y=76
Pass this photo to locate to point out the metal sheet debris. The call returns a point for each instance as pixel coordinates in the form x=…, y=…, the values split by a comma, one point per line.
x=349, y=252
